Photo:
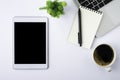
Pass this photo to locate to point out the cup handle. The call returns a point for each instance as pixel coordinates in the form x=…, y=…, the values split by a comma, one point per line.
x=108, y=69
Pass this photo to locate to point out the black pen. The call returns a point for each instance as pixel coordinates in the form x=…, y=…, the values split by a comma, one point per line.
x=80, y=27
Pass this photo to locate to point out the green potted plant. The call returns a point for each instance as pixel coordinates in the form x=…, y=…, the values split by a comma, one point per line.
x=55, y=8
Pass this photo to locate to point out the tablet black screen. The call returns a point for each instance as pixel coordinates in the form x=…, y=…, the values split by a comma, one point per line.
x=30, y=42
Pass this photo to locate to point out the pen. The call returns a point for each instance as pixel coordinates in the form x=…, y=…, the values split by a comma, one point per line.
x=80, y=28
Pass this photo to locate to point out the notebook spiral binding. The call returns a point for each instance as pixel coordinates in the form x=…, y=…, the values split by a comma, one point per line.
x=99, y=12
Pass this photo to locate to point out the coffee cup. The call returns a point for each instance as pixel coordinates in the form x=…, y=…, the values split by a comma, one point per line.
x=104, y=56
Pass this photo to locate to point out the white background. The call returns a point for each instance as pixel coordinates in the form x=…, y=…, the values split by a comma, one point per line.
x=67, y=61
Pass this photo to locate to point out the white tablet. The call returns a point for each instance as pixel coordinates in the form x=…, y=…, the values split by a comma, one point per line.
x=30, y=42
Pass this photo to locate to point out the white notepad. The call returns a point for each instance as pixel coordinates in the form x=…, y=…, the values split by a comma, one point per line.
x=90, y=24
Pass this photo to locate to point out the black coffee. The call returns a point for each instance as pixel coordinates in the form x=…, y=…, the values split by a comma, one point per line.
x=103, y=55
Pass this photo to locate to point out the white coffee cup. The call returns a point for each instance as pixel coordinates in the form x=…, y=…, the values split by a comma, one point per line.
x=104, y=56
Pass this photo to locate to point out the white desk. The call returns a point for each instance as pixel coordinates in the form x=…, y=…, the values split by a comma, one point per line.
x=67, y=61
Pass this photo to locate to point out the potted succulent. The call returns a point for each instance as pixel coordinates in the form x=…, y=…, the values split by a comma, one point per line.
x=54, y=8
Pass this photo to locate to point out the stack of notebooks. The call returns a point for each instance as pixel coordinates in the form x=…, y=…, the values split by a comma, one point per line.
x=90, y=21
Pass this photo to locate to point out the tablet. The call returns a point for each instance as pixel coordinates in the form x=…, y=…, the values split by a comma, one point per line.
x=30, y=42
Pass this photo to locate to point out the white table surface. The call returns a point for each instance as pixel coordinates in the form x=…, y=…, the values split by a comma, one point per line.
x=67, y=61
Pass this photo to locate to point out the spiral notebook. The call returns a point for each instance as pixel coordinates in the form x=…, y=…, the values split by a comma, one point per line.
x=90, y=23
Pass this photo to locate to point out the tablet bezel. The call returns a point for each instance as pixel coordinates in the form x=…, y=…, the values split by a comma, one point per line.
x=31, y=19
